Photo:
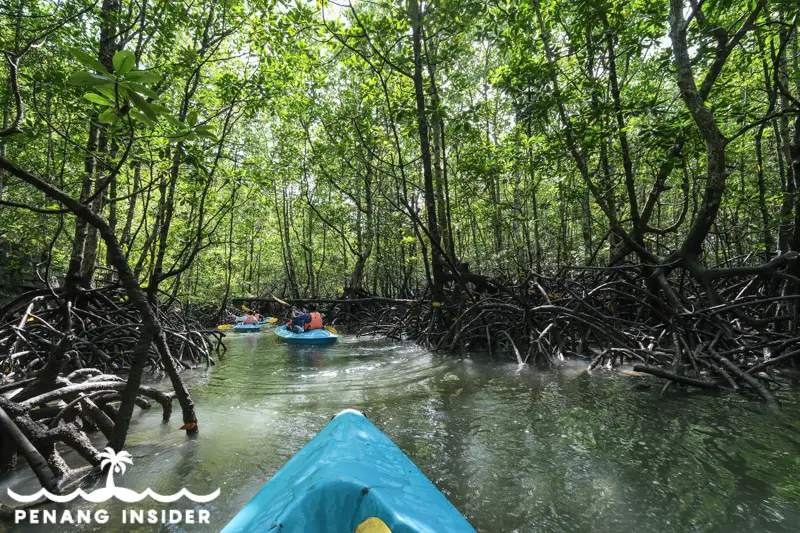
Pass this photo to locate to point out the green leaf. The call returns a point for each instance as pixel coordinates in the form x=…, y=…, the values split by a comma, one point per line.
x=124, y=94
x=97, y=99
x=88, y=61
x=87, y=79
x=124, y=61
x=109, y=116
x=139, y=88
x=142, y=105
x=192, y=117
x=158, y=108
x=141, y=117
x=174, y=121
x=143, y=76
x=205, y=132
x=107, y=91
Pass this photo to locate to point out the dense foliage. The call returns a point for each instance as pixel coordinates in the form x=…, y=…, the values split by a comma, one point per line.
x=300, y=149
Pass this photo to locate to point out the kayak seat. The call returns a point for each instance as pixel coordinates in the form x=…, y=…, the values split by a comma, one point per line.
x=344, y=506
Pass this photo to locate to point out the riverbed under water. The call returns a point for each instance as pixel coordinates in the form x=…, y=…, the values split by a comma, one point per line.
x=515, y=450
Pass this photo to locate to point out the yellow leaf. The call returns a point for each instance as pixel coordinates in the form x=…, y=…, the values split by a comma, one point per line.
x=189, y=426
x=436, y=304
x=30, y=319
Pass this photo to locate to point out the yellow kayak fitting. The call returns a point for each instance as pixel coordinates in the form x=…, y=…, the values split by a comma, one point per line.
x=373, y=525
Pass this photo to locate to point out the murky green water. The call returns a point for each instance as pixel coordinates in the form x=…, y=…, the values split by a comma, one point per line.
x=524, y=451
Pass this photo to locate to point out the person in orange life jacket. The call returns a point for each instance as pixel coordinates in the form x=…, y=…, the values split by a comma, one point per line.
x=250, y=318
x=305, y=321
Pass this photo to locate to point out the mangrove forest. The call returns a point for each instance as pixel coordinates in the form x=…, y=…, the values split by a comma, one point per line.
x=532, y=185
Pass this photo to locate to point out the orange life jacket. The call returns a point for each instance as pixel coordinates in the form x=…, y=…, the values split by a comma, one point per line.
x=250, y=320
x=316, y=322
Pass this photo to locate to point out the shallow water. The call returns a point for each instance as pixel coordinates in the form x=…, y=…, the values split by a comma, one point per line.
x=514, y=450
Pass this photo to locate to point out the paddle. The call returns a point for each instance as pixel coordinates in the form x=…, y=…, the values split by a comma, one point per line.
x=272, y=320
x=223, y=327
x=328, y=328
x=281, y=301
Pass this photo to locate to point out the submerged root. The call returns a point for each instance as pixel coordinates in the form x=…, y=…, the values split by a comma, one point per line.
x=61, y=357
x=718, y=328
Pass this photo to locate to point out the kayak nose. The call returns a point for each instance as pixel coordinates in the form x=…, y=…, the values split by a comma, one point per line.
x=359, y=413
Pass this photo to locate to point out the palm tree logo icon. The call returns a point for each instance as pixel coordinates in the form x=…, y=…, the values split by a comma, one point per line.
x=116, y=463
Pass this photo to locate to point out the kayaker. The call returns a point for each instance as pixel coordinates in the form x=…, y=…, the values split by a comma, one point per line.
x=305, y=321
x=250, y=318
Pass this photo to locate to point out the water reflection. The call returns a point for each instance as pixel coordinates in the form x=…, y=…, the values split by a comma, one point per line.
x=514, y=450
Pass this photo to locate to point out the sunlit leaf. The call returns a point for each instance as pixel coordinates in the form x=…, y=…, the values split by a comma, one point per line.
x=124, y=61
x=97, y=99
x=87, y=79
x=88, y=61
x=109, y=116
x=143, y=76
x=142, y=105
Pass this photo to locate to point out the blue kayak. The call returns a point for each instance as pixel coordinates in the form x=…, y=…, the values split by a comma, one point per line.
x=346, y=479
x=313, y=336
x=247, y=328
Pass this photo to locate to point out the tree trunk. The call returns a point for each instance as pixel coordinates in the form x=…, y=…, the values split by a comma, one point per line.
x=109, y=16
x=768, y=241
x=716, y=172
x=437, y=268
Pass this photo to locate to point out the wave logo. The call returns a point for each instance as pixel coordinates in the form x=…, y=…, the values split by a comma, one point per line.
x=116, y=465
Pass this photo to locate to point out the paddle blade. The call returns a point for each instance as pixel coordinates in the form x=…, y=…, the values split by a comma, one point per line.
x=281, y=301
x=224, y=326
x=245, y=308
x=331, y=329
x=272, y=320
